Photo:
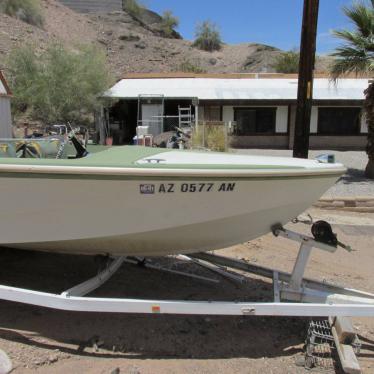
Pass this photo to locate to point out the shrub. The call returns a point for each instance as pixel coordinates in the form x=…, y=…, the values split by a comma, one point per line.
x=169, y=23
x=210, y=136
x=132, y=7
x=26, y=10
x=287, y=62
x=207, y=37
x=188, y=67
x=57, y=85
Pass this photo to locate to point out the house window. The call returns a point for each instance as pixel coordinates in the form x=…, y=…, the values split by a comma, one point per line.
x=212, y=113
x=339, y=121
x=252, y=121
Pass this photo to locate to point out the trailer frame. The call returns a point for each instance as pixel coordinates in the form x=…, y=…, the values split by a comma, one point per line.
x=294, y=295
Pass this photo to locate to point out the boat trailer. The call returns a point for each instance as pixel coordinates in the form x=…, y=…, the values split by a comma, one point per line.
x=293, y=294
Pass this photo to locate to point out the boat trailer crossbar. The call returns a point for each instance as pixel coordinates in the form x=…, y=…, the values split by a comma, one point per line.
x=294, y=295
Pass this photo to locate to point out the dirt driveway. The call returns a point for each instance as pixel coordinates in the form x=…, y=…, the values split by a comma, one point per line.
x=39, y=340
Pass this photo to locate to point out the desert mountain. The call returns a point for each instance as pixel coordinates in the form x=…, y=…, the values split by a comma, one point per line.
x=132, y=44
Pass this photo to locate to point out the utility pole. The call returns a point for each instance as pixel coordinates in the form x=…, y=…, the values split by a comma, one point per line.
x=305, y=85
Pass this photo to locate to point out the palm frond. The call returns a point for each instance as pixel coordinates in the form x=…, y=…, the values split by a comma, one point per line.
x=354, y=38
x=350, y=61
x=346, y=51
x=362, y=17
x=356, y=55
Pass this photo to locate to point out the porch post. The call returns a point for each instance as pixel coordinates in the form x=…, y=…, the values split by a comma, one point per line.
x=195, y=103
x=196, y=116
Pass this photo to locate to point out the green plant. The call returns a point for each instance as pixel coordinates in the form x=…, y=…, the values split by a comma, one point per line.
x=287, y=62
x=168, y=23
x=57, y=85
x=26, y=10
x=356, y=55
x=132, y=7
x=188, y=67
x=207, y=37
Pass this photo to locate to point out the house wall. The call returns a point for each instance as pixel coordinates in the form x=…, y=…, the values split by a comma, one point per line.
x=259, y=141
x=291, y=137
x=201, y=112
x=281, y=121
x=313, y=120
x=227, y=113
x=5, y=118
x=285, y=127
x=357, y=142
x=364, y=125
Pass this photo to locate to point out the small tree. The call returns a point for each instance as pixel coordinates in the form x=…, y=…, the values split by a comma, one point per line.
x=169, y=23
x=26, y=10
x=287, y=62
x=58, y=85
x=207, y=37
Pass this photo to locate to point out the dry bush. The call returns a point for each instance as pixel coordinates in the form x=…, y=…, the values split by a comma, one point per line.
x=287, y=62
x=26, y=10
x=189, y=67
x=133, y=7
x=210, y=136
x=169, y=23
x=208, y=37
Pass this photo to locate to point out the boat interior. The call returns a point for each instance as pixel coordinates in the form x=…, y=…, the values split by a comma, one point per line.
x=56, y=147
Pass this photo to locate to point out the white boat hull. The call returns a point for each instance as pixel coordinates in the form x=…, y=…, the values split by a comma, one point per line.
x=127, y=216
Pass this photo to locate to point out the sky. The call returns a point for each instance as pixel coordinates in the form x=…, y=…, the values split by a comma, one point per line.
x=273, y=22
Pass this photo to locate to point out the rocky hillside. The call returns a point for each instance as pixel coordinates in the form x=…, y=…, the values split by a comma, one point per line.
x=60, y=24
x=93, y=6
x=133, y=44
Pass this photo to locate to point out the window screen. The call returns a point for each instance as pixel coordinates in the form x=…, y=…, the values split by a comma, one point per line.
x=251, y=121
x=339, y=121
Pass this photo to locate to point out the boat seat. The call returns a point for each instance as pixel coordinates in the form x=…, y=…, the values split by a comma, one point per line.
x=46, y=148
x=7, y=149
x=30, y=148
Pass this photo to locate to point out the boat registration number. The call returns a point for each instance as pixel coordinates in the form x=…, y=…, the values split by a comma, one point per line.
x=151, y=189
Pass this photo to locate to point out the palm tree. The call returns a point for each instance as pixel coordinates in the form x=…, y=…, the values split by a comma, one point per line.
x=356, y=55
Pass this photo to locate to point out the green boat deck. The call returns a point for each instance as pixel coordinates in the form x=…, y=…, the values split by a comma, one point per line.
x=126, y=157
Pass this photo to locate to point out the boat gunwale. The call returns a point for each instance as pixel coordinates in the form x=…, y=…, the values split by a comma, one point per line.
x=6, y=169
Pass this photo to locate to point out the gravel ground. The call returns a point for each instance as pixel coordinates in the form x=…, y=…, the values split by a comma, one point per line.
x=45, y=341
x=353, y=183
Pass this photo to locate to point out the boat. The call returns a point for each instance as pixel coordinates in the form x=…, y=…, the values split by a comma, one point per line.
x=143, y=201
